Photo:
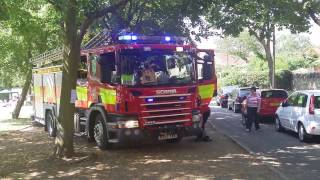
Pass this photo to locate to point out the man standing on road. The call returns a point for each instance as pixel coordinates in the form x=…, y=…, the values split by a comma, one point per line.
x=252, y=103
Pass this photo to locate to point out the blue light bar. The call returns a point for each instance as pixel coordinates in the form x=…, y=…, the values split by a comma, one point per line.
x=134, y=38
x=128, y=38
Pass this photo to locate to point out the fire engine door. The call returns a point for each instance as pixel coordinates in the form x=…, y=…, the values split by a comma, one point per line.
x=206, y=77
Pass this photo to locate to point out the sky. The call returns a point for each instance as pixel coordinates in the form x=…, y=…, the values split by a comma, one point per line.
x=314, y=37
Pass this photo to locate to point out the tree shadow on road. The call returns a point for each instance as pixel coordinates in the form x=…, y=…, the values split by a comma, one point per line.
x=28, y=155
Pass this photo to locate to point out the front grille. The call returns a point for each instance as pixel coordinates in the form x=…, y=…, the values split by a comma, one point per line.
x=165, y=109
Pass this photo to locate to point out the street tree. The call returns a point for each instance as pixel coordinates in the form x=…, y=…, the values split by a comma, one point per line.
x=243, y=46
x=23, y=33
x=76, y=18
x=312, y=7
x=260, y=18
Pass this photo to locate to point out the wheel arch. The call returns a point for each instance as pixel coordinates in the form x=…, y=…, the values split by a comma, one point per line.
x=93, y=112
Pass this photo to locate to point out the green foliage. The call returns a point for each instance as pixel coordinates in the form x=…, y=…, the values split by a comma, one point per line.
x=242, y=77
x=25, y=30
x=243, y=46
x=158, y=17
x=284, y=79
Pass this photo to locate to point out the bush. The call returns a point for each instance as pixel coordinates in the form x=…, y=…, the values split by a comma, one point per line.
x=242, y=77
x=284, y=79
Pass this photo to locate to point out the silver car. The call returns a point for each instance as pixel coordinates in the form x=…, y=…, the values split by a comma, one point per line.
x=300, y=112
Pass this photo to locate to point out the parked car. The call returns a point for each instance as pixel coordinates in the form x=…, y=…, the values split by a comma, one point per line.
x=269, y=101
x=236, y=97
x=300, y=112
x=222, y=99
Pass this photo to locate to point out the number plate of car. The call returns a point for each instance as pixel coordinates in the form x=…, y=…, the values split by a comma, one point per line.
x=167, y=135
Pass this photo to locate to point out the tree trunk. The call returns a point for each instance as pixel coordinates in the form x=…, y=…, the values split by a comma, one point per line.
x=270, y=61
x=16, y=111
x=64, y=139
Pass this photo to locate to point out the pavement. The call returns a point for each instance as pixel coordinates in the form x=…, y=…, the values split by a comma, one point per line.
x=7, y=123
x=282, y=152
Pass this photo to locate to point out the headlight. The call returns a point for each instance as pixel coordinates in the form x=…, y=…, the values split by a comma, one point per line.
x=128, y=124
x=196, y=118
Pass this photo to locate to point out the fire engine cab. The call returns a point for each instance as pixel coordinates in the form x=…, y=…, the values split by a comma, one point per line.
x=131, y=88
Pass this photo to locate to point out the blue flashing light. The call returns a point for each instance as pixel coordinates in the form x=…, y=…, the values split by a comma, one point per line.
x=149, y=100
x=167, y=38
x=134, y=38
x=182, y=98
x=127, y=38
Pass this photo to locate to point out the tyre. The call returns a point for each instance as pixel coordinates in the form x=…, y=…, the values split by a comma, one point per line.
x=235, y=110
x=278, y=125
x=303, y=136
x=100, y=133
x=50, y=124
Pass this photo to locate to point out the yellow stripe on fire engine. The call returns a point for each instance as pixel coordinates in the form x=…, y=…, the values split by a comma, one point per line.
x=37, y=90
x=206, y=91
x=47, y=70
x=108, y=96
x=82, y=93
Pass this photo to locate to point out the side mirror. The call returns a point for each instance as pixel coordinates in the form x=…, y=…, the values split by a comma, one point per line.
x=285, y=104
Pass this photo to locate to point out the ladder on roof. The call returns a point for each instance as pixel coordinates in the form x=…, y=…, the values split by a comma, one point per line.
x=101, y=39
x=50, y=57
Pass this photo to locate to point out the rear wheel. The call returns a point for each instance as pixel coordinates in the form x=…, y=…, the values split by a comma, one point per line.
x=278, y=125
x=100, y=133
x=50, y=124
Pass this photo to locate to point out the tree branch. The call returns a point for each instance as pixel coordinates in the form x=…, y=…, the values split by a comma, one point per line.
x=91, y=17
x=313, y=16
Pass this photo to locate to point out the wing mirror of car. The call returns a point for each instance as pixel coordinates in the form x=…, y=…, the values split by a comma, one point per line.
x=285, y=104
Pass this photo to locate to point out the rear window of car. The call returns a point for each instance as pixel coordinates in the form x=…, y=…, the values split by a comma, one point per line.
x=274, y=94
x=317, y=102
x=244, y=92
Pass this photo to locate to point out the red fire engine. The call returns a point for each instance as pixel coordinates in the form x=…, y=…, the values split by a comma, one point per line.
x=136, y=88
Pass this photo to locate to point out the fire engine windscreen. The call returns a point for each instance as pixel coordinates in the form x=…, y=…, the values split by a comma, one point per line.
x=156, y=67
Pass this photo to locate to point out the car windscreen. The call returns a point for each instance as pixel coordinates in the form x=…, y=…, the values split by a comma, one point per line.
x=317, y=102
x=274, y=94
x=244, y=92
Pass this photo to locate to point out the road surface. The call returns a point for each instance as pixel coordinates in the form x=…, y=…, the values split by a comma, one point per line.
x=281, y=151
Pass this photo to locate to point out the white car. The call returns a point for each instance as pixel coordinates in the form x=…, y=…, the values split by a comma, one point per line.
x=300, y=113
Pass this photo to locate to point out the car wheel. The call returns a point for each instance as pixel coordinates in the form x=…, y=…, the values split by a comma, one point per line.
x=50, y=124
x=303, y=136
x=278, y=125
x=100, y=133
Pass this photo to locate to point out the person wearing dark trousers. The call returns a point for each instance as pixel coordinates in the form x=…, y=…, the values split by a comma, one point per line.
x=252, y=105
x=203, y=136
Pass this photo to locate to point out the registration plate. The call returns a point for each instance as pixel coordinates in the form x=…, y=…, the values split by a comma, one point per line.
x=167, y=135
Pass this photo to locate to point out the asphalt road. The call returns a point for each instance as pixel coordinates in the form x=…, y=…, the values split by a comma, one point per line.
x=282, y=152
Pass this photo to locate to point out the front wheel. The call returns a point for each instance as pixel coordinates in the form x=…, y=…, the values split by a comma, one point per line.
x=303, y=136
x=278, y=125
x=100, y=133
